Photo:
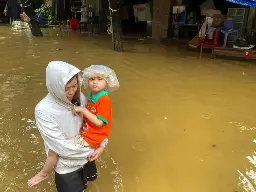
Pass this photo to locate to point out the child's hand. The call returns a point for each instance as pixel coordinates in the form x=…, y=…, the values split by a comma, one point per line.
x=76, y=110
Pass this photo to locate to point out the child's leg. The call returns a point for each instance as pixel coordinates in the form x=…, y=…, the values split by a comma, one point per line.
x=50, y=163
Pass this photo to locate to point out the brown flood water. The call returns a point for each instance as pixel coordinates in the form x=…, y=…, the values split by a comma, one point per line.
x=180, y=124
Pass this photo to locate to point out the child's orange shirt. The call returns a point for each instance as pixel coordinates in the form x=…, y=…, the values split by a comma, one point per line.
x=99, y=105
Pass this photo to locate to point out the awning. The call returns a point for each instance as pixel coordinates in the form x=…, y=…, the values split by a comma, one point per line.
x=250, y=3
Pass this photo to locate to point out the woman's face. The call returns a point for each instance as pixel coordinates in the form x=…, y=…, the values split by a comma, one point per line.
x=71, y=88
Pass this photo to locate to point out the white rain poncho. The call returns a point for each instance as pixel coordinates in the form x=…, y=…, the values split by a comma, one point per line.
x=56, y=123
x=101, y=71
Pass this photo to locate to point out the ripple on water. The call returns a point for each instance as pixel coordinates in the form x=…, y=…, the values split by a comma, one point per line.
x=206, y=115
x=16, y=156
x=242, y=126
x=30, y=124
x=4, y=156
x=139, y=146
x=248, y=179
x=245, y=182
x=11, y=87
x=108, y=162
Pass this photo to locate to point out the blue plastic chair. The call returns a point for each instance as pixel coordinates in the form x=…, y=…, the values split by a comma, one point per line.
x=227, y=30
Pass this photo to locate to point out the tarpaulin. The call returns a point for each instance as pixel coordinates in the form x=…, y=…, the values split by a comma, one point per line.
x=250, y=3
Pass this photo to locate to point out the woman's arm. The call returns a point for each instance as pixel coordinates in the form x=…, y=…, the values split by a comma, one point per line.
x=55, y=139
x=96, y=153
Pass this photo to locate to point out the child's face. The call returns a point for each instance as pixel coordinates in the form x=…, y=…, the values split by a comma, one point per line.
x=97, y=84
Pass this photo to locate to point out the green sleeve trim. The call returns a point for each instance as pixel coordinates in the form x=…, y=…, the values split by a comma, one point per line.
x=102, y=119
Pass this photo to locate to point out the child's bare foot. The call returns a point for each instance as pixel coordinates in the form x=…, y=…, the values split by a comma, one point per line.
x=38, y=178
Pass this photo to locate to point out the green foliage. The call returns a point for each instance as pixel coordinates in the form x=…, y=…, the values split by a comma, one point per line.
x=46, y=11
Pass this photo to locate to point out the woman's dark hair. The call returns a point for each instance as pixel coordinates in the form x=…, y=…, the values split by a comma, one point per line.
x=73, y=78
x=76, y=99
x=75, y=102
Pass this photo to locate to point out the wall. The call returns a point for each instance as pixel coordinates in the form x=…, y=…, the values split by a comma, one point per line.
x=251, y=21
x=49, y=2
x=179, y=2
x=95, y=4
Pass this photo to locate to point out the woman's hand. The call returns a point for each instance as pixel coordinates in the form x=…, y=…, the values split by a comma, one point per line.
x=96, y=154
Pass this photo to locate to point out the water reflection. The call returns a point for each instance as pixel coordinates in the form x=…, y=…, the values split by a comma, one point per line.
x=248, y=178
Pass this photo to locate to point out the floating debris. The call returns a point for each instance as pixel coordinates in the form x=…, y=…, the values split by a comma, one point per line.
x=27, y=78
